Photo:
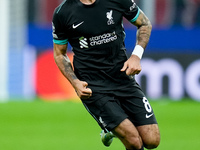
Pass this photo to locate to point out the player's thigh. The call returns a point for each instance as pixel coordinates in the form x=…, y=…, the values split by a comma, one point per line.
x=128, y=134
x=139, y=110
x=150, y=135
x=106, y=111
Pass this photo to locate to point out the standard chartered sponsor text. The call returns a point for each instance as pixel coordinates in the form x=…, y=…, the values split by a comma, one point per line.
x=103, y=39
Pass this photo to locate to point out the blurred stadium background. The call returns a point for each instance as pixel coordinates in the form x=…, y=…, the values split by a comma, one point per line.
x=170, y=78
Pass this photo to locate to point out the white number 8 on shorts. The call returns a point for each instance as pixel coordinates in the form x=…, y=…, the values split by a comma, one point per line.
x=147, y=105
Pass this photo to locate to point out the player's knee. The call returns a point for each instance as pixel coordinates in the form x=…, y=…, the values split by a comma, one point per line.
x=134, y=144
x=152, y=143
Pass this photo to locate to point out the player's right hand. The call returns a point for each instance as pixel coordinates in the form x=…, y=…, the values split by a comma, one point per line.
x=81, y=89
x=132, y=66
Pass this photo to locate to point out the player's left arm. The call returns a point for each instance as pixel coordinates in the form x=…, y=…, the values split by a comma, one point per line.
x=144, y=30
x=132, y=65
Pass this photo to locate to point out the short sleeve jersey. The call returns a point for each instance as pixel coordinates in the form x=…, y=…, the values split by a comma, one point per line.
x=96, y=35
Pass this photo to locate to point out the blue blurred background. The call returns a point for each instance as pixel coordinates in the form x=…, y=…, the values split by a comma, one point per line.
x=171, y=63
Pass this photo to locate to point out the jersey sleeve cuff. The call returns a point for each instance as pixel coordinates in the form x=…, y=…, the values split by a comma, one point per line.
x=135, y=18
x=60, y=42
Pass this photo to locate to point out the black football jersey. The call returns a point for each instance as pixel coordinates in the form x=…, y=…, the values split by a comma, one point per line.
x=96, y=35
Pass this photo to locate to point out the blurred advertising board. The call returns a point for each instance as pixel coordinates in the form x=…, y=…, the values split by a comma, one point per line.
x=173, y=76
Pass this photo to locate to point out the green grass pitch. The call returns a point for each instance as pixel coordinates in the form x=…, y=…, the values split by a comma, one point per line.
x=40, y=125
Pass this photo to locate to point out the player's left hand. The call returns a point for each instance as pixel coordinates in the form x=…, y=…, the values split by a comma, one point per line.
x=132, y=65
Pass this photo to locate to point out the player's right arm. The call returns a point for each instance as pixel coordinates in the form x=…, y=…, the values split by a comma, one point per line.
x=65, y=67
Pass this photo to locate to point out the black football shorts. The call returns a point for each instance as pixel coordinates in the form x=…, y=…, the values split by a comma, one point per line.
x=110, y=109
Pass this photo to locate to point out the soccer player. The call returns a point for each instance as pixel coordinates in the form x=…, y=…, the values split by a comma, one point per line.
x=103, y=76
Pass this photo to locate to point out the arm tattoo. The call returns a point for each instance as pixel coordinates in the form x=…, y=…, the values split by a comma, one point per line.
x=144, y=32
x=68, y=68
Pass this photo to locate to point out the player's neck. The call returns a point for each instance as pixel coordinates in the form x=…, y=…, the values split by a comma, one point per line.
x=87, y=2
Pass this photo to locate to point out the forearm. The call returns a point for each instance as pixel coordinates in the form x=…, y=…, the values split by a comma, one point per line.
x=144, y=30
x=132, y=65
x=65, y=67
